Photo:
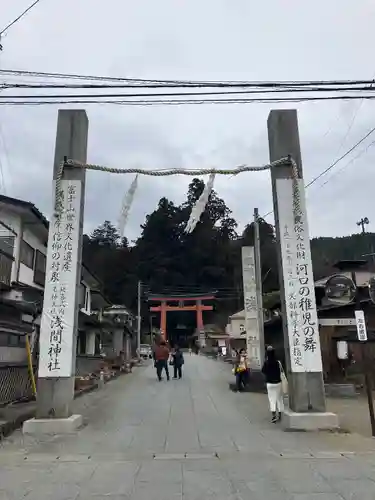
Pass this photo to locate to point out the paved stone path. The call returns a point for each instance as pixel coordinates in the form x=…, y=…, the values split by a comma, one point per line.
x=191, y=439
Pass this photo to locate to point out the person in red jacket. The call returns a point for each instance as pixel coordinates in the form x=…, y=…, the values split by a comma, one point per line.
x=161, y=356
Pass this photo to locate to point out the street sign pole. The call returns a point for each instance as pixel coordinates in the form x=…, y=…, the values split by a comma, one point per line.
x=362, y=337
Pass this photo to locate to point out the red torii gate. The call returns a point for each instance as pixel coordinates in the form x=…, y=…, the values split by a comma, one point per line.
x=165, y=306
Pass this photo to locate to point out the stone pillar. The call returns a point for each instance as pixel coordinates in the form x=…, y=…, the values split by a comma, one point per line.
x=259, y=285
x=118, y=341
x=90, y=342
x=163, y=320
x=127, y=347
x=251, y=308
x=200, y=325
x=56, y=370
x=300, y=322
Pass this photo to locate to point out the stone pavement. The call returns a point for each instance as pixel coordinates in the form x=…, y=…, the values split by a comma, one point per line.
x=191, y=439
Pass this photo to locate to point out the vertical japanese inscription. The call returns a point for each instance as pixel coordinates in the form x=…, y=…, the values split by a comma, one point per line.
x=300, y=304
x=250, y=306
x=57, y=336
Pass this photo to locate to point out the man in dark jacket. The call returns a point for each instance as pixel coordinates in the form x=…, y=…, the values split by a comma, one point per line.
x=161, y=356
x=178, y=361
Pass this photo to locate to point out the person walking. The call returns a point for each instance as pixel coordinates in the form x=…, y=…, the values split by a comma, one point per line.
x=241, y=370
x=177, y=361
x=272, y=370
x=161, y=356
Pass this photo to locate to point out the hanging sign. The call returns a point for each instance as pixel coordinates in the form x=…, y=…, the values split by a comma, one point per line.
x=57, y=339
x=300, y=303
x=361, y=325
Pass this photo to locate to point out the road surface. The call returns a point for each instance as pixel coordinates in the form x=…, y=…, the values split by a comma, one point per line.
x=191, y=439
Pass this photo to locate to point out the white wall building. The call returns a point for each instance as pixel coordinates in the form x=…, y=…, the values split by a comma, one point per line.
x=236, y=326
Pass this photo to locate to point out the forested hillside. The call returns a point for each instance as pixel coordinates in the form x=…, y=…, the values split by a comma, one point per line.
x=164, y=258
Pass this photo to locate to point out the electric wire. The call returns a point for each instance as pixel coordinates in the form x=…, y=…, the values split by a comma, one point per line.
x=19, y=17
x=363, y=151
x=35, y=74
x=330, y=167
x=136, y=95
x=179, y=102
x=275, y=88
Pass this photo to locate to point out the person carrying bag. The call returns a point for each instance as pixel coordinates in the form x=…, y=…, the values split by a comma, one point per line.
x=241, y=370
x=273, y=372
x=284, y=380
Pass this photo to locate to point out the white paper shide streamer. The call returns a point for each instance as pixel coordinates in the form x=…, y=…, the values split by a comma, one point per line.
x=126, y=205
x=200, y=205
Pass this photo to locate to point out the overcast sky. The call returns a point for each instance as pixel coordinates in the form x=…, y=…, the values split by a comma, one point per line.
x=196, y=40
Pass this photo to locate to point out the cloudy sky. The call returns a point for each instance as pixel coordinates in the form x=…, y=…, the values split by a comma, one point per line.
x=195, y=40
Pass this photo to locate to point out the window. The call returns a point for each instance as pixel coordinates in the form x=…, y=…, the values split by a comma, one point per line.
x=27, y=254
x=40, y=268
x=7, y=244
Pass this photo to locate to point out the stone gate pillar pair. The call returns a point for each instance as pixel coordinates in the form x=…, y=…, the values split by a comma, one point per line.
x=56, y=371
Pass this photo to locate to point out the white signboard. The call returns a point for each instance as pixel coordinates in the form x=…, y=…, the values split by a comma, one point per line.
x=361, y=325
x=337, y=322
x=342, y=349
x=301, y=315
x=250, y=305
x=57, y=340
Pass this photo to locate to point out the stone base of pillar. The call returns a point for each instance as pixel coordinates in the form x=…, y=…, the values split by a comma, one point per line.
x=309, y=421
x=52, y=426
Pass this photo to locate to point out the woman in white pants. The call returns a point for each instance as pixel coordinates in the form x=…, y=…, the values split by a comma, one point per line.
x=272, y=371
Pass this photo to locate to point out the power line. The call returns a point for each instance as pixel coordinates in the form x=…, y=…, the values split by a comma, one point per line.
x=175, y=102
x=290, y=83
x=330, y=167
x=161, y=94
x=355, y=114
x=19, y=17
x=341, y=158
x=349, y=163
x=272, y=87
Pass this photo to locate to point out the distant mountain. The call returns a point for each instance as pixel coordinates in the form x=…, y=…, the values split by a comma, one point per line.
x=326, y=251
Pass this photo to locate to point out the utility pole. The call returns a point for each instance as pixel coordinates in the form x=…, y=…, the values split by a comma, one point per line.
x=139, y=316
x=258, y=284
x=363, y=222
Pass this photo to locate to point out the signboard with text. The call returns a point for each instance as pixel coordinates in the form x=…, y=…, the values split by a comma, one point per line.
x=337, y=322
x=361, y=325
x=57, y=341
x=250, y=306
x=300, y=304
